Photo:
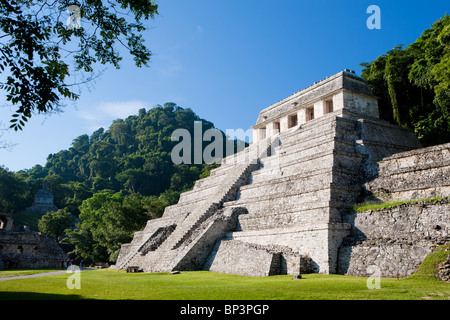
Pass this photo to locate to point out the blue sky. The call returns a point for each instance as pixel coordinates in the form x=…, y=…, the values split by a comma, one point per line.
x=227, y=60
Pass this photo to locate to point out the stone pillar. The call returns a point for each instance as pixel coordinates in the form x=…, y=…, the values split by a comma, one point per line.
x=255, y=135
x=6, y=221
x=338, y=101
x=284, y=124
x=318, y=109
x=301, y=115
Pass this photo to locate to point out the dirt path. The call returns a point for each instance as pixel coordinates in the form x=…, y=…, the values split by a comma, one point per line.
x=38, y=275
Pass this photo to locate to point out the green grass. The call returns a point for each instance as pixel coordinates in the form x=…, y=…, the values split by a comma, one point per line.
x=383, y=205
x=24, y=272
x=203, y=285
x=429, y=266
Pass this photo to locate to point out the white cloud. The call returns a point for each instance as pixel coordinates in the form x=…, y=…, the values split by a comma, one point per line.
x=167, y=67
x=103, y=114
x=121, y=109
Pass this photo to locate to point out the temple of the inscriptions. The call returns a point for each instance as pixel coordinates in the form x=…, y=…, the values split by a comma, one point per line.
x=283, y=205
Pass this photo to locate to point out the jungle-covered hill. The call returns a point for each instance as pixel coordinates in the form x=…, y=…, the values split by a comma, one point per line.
x=413, y=84
x=107, y=185
x=132, y=156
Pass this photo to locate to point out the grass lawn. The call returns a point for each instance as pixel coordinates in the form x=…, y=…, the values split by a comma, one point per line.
x=24, y=272
x=117, y=285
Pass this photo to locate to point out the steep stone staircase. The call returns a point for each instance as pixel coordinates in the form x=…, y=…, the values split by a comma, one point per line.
x=173, y=248
x=147, y=245
x=193, y=210
x=226, y=191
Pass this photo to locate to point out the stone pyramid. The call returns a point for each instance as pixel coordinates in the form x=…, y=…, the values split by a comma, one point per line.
x=276, y=207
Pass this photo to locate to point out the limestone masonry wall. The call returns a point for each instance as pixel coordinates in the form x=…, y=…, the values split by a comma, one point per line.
x=395, y=239
x=231, y=256
x=417, y=174
x=22, y=249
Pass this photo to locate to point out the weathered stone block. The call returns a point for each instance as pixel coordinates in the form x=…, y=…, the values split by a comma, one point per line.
x=245, y=259
x=395, y=239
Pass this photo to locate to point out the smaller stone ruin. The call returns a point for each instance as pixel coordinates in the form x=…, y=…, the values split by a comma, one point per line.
x=21, y=248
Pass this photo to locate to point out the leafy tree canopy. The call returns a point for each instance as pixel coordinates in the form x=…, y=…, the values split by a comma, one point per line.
x=55, y=224
x=107, y=221
x=38, y=46
x=413, y=84
x=132, y=156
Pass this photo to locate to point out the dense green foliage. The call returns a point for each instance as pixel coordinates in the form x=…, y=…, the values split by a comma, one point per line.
x=132, y=156
x=413, y=84
x=15, y=192
x=55, y=224
x=113, y=180
x=106, y=222
x=39, y=49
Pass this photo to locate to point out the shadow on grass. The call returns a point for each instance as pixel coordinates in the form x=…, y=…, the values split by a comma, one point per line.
x=37, y=296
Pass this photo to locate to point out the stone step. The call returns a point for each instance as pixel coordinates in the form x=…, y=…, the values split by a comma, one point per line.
x=122, y=262
x=136, y=260
x=140, y=240
x=158, y=261
x=216, y=177
x=204, y=190
x=300, y=149
x=275, y=203
x=199, y=193
x=211, y=180
x=266, y=220
x=327, y=158
x=223, y=169
x=339, y=128
x=408, y=166
x=311, y=226
x=309, y=141
x=286, y=186
x=225, y=195
x=188, y=228
x=290, y=154
x=306, y=166
x=344, y=175
x=251, y=154
x=199, y=215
